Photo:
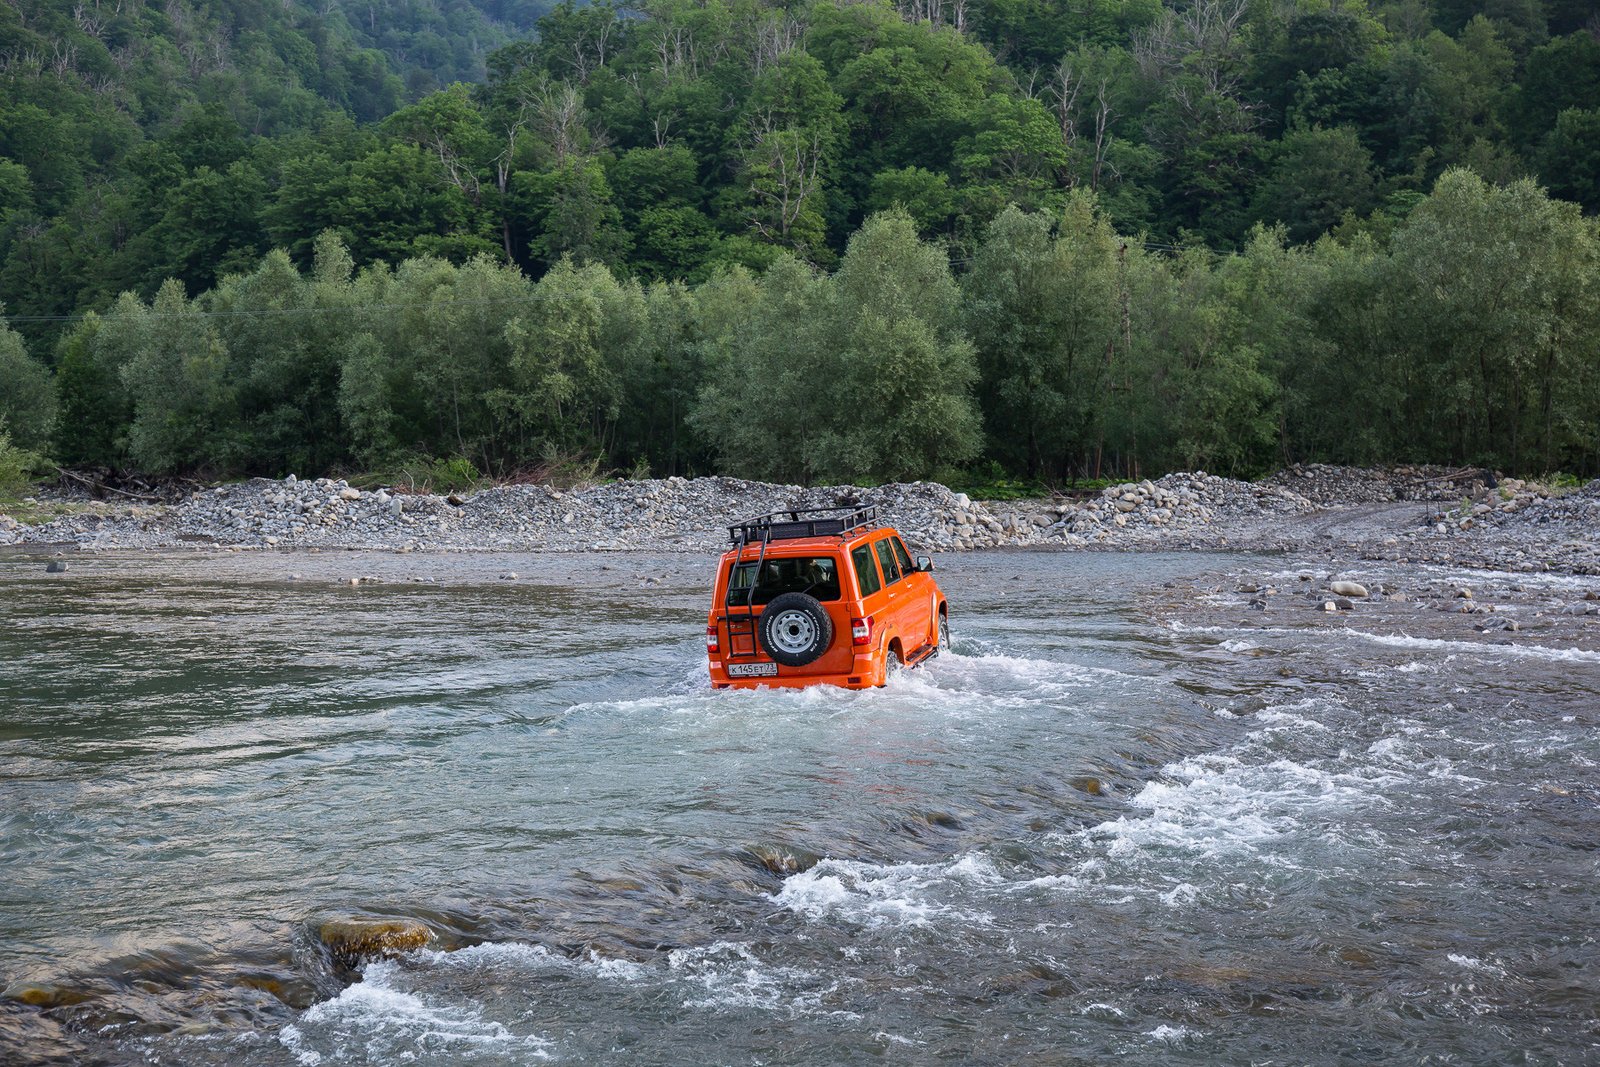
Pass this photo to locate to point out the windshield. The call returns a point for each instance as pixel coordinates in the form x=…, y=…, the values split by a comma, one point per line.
x=817, y=576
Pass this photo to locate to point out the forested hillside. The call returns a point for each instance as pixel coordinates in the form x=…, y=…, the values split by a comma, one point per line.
x=1063, y=236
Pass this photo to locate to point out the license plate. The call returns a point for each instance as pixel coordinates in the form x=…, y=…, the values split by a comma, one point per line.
x=752, y=670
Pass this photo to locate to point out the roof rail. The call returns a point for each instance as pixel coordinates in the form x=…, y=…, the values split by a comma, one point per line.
x=802, y=522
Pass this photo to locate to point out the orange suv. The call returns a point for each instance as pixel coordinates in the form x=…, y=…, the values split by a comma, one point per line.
x=821, y=596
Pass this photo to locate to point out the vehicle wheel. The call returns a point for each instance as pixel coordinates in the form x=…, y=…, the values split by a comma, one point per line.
x=944, y=632
x=795, y=629
x=893, y=665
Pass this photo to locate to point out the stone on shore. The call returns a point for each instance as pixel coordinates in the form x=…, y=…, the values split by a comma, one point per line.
x=1526, y=527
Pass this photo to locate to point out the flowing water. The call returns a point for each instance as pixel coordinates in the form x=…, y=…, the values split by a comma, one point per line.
x=1111, y=821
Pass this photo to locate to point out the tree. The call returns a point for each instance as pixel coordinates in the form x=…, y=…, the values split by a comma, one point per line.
x=1014, y=156
x=1569, y=158
x=904, y=407
x=861, y=377
x=923, y=194
x=1045, y=313
x=572, y=215
x=95, y=410
x=1498, y=290
x=176, y=377
x=770, y=373
x=27, y=396
x=212, y=226
x=566, y=353
x=1563, y=74
x=1314, y=178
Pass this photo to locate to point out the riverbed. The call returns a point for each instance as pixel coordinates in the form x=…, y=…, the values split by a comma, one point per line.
x=1124, y=815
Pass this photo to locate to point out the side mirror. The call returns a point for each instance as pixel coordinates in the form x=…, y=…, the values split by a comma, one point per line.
x=924, y=563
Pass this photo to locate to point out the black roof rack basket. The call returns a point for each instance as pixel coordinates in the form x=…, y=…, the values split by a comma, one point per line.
x=802, y=522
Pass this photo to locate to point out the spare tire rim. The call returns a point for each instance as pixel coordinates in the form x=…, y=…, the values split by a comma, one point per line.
x=793, y=632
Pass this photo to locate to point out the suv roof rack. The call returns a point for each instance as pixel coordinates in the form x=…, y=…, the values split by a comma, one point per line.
x=802, y=522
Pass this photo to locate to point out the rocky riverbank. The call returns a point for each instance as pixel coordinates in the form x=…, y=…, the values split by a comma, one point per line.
x=1409, y=514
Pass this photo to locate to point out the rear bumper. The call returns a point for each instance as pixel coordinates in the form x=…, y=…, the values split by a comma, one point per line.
x=866, y=673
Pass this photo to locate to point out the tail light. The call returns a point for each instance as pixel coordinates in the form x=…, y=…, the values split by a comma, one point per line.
x=712, y=644
x=861, y=631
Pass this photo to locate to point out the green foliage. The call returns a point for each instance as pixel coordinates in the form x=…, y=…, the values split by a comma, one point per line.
x=95, y=407
x=990, y=483
x=1045, y=310
x=27, y=399
x=18, y=466
x=183, y=400
x=586, y=254
x=1315, y=178
x=449, y=475
x=859, y=377
x=669, y=140
x=1570, y=156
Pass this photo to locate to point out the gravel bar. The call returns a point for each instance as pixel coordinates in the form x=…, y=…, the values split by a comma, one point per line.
x=1419, y=514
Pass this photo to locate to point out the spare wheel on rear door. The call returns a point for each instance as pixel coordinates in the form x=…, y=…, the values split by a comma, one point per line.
x=795, y=629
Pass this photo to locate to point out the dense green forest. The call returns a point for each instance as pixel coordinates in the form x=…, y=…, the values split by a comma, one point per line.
x=814, y=241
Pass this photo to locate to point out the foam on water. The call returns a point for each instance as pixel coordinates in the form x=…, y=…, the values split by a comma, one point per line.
x=1473, y=964
x=725, y=975
x=730, y=976
x=377, y=1021
x=1171, y=1035
x=532, y=961
x=1430, y=644
x=874, y=895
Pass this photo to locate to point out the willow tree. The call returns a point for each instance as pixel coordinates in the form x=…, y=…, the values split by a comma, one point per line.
x=27, y=398
x=904, y=406
x=861, y=377
x=177, y=376
x=1499, y=329
x=1044, y=310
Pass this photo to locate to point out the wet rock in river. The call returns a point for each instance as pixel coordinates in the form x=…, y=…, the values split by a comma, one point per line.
x=782, y=860
x=55, y=566
x=42, y=994
x=1348, y=588
x=356, y=939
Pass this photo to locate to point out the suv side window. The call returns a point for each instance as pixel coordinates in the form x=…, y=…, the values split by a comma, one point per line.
x=902, y=556
x=891, y=566
x=866, y=570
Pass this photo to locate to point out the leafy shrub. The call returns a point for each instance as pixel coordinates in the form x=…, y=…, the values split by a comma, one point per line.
x=18, y=466
x=1563, y=482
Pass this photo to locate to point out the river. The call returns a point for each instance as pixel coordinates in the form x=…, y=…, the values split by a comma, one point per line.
x=1116, y=819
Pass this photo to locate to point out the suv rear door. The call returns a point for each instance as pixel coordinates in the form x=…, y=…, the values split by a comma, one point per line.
x=921, y=624
x=900, y=605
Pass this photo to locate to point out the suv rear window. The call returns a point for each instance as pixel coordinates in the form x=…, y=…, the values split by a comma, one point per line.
x=815, y=575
